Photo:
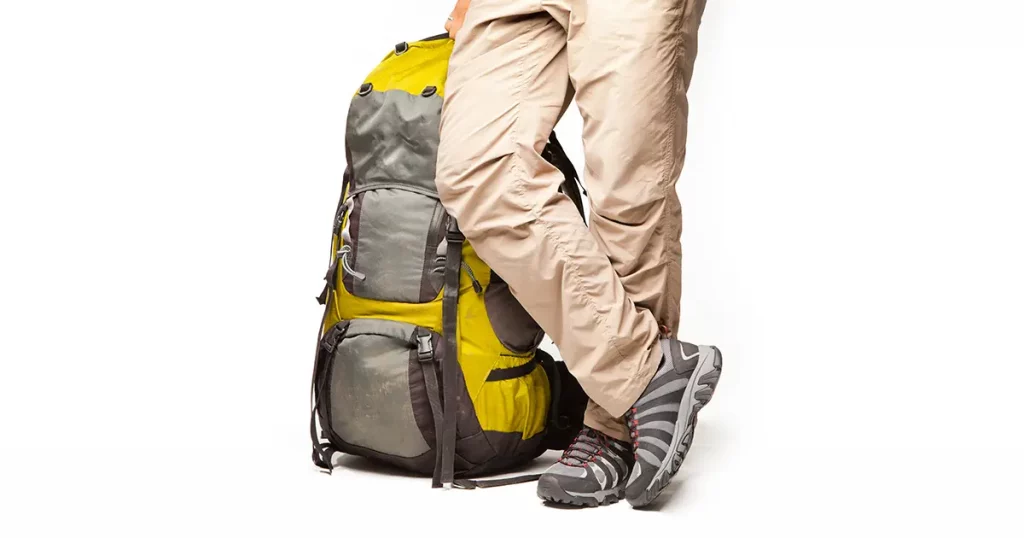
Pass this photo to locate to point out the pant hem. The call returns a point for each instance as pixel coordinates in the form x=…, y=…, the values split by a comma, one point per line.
x=618, y=405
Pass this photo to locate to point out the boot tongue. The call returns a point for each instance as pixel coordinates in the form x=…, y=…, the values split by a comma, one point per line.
x=578, y=455
x=584, y=447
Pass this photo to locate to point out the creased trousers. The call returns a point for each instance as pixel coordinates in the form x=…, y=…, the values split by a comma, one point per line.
x=605, y=294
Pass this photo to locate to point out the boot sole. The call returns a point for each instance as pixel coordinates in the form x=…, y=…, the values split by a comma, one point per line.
x=696, y=396
x=551, y=491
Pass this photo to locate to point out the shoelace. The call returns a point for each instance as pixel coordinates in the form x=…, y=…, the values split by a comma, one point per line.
x=634, y=430
x=577, y=453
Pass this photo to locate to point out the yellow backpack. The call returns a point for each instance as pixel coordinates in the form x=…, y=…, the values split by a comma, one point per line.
x=425, y=360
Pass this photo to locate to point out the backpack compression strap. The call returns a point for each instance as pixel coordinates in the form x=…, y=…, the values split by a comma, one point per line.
x=426, y=355
x=496, y=482
x=323, y=451
x=450, y=366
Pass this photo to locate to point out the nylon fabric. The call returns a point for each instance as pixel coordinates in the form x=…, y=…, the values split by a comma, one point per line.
x=528, y=408
x=394, y=230
x=392, y=139
x=429, y=368
x=424, y=64
x=517, y=330
x=496, y=482
x=369, y=386
x=451, y=375
x=480, y=350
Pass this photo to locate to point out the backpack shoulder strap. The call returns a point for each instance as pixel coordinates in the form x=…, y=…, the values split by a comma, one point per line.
x=572, y=186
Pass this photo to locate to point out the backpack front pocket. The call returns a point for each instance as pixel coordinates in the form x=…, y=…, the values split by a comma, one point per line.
x=373, y=384
x=390, y=246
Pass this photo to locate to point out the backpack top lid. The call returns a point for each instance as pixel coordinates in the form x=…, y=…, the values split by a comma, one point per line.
x=414, y=67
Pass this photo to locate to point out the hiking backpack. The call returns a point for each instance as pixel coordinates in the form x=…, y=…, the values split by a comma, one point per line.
x=424, y=359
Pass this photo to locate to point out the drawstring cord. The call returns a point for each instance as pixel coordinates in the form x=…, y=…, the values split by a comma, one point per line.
x=476, y=283
x=343, y=256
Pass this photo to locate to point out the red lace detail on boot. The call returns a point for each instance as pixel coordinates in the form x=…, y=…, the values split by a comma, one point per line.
x=633, y=424
x=581, y=452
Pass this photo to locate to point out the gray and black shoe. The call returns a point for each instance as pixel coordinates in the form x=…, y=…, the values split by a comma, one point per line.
x=591, y=472
x=661, y=422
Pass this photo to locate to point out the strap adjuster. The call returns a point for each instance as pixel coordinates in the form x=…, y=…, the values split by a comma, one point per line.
x=335, y=335
x=454, y=234
x=424, y=348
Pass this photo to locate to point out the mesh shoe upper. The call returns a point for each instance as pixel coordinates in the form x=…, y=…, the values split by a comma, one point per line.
x=593, y=465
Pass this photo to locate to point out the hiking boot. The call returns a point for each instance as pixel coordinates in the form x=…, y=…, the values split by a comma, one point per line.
x=661, y=422
x=591, y=472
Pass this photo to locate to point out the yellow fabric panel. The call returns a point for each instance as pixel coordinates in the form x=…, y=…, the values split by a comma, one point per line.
x=348, y=306
x=344, y=305
x=424, y=64
x=515, y=405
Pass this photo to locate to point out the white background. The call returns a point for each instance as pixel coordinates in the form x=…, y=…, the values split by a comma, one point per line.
x=852, y=242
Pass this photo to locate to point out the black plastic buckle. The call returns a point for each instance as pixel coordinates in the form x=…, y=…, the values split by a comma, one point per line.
x=424, y=347
x=335, y=335
x=454, y=234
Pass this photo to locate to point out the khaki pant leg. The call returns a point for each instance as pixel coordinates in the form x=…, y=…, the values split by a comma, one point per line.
x=508, y=85
x=631, y=67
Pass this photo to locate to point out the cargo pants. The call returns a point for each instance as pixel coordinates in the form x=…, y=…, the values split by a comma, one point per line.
x=607, y=293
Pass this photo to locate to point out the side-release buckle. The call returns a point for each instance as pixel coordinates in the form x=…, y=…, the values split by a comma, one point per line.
x=330, y=340
x=424, y=347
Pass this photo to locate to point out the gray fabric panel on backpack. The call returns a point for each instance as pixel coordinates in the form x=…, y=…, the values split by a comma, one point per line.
x=511, y=323
x=395, y=229
x=392, y=137
x=371, y=405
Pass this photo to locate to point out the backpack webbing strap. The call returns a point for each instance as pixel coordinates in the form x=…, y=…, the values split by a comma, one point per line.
x=426, y=355
x=321, y=454
x=322, y=451
x=450, y=365
x=496, y=482
x=555, y=382
x=339, y=216
x=572, y=186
